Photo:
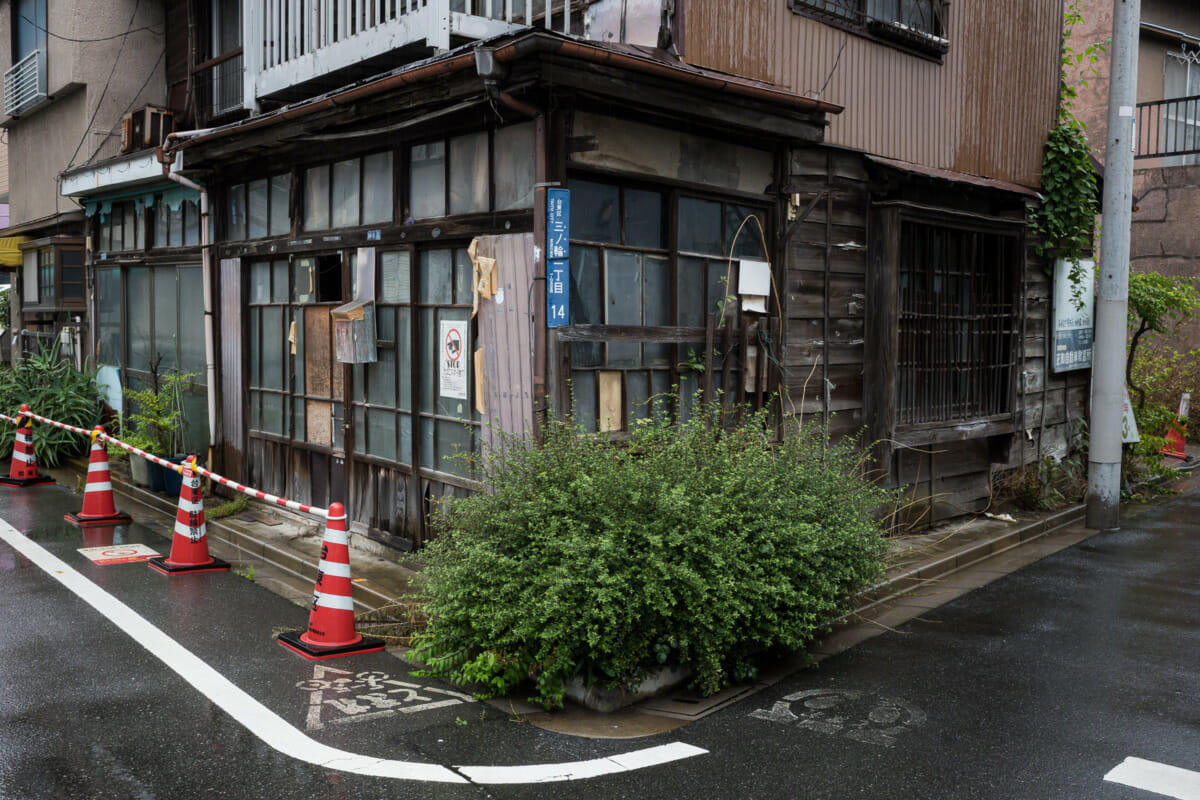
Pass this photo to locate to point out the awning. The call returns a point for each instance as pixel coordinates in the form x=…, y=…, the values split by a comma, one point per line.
x=10, y=250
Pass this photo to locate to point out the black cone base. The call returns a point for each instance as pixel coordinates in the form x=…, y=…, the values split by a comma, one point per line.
x=315, y=652
x=119, y=518
x=166, y=568
x=23, y=482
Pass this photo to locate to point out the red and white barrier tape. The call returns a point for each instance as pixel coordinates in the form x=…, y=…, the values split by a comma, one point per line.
x=269, y=498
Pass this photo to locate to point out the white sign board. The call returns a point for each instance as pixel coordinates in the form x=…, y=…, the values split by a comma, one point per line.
x=119, y=553
x=453, y=358
x=1074, y=314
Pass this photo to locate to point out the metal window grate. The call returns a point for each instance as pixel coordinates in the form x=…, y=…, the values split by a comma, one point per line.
x=25, y=83
x=958, y=324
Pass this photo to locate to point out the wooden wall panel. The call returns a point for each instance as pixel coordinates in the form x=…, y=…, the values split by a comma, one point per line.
x=233, y=401
x=985, y=110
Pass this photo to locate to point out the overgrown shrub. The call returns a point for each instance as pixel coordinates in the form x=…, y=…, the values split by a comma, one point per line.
x=688, y=545
x=52, y=388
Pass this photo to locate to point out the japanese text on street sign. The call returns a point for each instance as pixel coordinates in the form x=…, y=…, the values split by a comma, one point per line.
x=558, y=293
x=558, y=223
x=1073, y=316
x=558, y=251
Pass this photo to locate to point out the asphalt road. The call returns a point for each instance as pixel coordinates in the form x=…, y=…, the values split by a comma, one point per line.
x=120, y=682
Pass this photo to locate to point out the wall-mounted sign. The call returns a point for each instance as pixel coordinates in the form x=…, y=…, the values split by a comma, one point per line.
x=453, y=358
x=1074, y=316
x=558, y=223
x=558, y=292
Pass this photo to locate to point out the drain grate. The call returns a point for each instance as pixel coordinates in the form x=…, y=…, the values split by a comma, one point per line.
x=686, y=704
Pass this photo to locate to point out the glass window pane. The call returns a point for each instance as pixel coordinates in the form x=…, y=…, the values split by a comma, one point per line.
x=129, y=224
x=316, y=198
x=381, y=433
x=108, y=317
x=637, y=392
x=656, y=305
x=137, y=296
x=298, y=432
x=463, y=272
x=644, y=219
x=346, y=190
x=427, y=359
x=587, y=302
x=404, y=358
x=623, y=296
x=236, y=216
x=141, y=226
x=693, y=276
x=749, y=237
x=381, y=379
x=191, y=223
x=279, y=281
x=453, y=446
x=583, y=391
x=273, y=347
x=427, y=180
x=406, y=435
x=255, y=411
x=427, y=442
x=255, y=348
x=272, y=413
x=257, y=208
x=699, y=226
x=377, y=188
x=175, y=227
x=469, y=173
x=720, y=278
x=117, y=228
x=260, y=282
x=297, y=319
x=280, y=193
x=436, y=274
x=595, y=212
x=394, y=277
x=514, y=167
x=160, y=224
x=105, y=235
x=304, y=286
x=191, y=323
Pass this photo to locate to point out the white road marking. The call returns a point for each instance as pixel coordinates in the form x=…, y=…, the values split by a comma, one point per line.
x=281, y=735
x=1182, y=784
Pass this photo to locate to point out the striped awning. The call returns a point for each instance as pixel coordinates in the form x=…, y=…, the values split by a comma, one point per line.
x=10, y=251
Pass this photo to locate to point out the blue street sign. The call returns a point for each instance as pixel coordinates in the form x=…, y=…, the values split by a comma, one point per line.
x=558, y=292
x=558, y=223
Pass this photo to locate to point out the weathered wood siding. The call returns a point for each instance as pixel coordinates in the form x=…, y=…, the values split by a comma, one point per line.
x=985, y=110
x=231, y=428
x=505, y=338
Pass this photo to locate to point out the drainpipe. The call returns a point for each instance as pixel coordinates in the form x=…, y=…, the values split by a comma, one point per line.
x=210, y=364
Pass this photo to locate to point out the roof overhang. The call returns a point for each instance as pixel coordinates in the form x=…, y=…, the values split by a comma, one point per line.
x=10, y=251
x=120, y=174
x=951, y=175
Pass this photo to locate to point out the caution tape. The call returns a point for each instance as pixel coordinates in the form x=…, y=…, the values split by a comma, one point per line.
x=171, y=465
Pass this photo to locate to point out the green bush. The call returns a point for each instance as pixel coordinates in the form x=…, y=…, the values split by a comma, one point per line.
x=688, y=544
x=52, y=388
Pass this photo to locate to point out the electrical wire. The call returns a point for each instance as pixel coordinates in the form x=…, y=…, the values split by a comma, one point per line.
x=99, y=103
x=132, y=103
x=60, y=37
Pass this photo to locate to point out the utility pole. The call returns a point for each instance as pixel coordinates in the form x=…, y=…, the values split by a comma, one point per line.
x=1108, y=366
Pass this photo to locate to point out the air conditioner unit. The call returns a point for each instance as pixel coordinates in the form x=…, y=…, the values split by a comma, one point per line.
x=146, y=127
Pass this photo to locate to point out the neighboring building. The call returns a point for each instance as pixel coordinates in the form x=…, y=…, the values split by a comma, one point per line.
x=857, y=159
x=1166, y=178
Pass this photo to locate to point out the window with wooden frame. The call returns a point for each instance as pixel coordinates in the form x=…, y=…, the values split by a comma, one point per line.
x=176, y=222
x=259, y=208
x=473, y=173
x=959, y=322
x=54, y=277
x=122, y=227
x=348, y=193
x=659, y=260
x=919, y=25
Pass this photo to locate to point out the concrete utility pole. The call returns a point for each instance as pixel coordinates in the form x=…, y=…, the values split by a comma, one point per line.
x=1108, y=364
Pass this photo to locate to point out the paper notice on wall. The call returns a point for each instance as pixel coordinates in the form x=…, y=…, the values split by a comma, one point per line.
x=453, y=359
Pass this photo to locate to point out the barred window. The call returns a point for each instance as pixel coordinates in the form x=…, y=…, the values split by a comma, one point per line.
x=958, y=323
x=918, y=24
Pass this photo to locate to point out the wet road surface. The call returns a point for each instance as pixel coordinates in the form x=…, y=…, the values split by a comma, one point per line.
x=1034, y=686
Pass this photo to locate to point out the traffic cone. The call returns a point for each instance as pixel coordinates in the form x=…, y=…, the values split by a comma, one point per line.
x=1176, y=437
x=331, y=631
x=24, y=471
x=98, y=505
x=189, y=545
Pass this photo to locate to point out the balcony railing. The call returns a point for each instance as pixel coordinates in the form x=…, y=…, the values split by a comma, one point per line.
x=1168, y=129
x=219, y=82
x=25, y=84
x=305, y=39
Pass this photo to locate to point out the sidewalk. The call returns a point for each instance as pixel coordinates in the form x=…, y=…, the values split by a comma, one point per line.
x=280, y=549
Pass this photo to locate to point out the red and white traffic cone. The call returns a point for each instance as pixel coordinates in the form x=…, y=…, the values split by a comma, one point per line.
x=24, y=471
x=331, y=631
x=98, y=505
x=189, y=545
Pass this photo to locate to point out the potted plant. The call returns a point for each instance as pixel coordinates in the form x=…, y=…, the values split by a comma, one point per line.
x=139, y=468
x=156, y=416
